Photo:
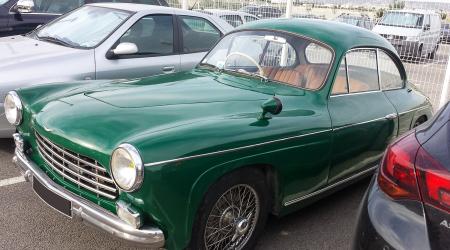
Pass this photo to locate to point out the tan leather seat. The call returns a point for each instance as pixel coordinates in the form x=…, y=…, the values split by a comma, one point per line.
x=310, y=76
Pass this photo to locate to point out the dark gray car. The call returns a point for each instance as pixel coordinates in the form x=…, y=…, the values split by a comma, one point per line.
x=107, y=41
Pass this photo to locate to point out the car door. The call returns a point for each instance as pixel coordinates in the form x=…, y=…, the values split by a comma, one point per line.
x=400, y=94
x=197, y=37
x=43, y=12
x=155, y=38
x=364, y=121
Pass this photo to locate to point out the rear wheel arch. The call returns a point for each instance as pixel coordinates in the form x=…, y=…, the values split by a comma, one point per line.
x=421, y=119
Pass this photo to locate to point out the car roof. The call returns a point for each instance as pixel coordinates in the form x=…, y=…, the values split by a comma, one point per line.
x=339, y=36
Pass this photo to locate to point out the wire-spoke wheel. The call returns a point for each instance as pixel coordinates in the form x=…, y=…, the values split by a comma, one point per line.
x=232, y=219
x=233, y=212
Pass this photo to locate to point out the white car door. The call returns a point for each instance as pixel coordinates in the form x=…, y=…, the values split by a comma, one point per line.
x=154, y=36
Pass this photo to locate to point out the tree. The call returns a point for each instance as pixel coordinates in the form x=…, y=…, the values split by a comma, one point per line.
x=397, y=4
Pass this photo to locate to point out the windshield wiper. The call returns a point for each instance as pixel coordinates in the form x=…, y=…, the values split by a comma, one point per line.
x=56, y=40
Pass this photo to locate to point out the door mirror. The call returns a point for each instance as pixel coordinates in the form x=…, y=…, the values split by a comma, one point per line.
x=24, y=6
x=272, y=106
x=427, y=27
x=125, y=49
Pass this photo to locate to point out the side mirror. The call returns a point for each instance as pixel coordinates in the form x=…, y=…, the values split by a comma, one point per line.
x=24, y=6
x=272, y=106
x=122, y=49
x=427, y=27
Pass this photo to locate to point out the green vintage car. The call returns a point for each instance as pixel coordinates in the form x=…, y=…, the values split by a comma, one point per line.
x=278, y=114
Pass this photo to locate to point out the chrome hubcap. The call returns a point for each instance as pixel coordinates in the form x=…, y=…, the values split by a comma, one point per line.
x=233, y=218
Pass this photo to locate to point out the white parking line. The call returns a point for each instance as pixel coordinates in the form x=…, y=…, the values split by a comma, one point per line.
x=11, y=181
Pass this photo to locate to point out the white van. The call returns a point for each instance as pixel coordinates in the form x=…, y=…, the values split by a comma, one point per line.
x=412, y=32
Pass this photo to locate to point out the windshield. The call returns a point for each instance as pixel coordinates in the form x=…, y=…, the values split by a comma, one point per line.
x=83, y=28
x=402, y=19
x=272, y=56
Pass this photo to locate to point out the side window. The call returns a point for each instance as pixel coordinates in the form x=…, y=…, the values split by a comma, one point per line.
x=390, y=77
x=234, y=20
x=362, y=71
x=340, y=85
x=3, y=2
x=250, y=19
x=198, y=34
x=153, y=35
x=55, y=7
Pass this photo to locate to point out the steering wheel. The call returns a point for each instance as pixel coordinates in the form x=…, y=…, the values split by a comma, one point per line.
x=260, y=69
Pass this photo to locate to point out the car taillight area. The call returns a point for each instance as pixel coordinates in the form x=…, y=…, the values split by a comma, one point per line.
x=397, y=177
x=415, y=172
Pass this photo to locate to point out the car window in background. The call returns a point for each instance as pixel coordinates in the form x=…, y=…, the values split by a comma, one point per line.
x=199, y=35
x=153, y=35
x=362, y=70
x=390, y=77
x=250, y=19
x=85, y=27
x=56, y=7
x=234, y=20
x=400, y=19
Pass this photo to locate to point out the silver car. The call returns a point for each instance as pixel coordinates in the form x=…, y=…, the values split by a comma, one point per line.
x=107, y=41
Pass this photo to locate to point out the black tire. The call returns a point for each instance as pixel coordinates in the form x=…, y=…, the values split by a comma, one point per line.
x=244, y=178
x=432, y=55
x=418, y=54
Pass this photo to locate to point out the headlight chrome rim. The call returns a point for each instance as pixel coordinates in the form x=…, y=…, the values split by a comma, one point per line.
x=139, y=167
x=18, y=105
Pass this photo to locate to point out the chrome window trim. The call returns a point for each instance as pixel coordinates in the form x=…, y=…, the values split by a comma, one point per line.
x=151, y=164
x=357, y=93
x=322, y=190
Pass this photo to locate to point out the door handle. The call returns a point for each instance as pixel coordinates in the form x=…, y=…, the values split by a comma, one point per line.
x=168, y=69
x=391, y=116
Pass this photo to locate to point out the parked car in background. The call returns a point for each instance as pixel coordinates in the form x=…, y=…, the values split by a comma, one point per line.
x=363, y=21
x=234, y=18
x=262, y=11
x=277, y=115
x=407, y=204
x=22, y=16
x=312, y=16
x=445, y=33
x=412, y=32
x=107, y=41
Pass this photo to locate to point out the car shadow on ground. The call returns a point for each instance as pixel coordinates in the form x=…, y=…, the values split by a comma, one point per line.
x=334, y=216
x=7, y=145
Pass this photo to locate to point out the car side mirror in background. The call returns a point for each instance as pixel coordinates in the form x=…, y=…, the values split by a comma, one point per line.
x=24, y=6
x=427, y=27
x=122, y=49
x=272, y=106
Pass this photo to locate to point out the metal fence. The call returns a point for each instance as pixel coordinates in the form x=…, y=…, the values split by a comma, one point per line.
x=418, y=29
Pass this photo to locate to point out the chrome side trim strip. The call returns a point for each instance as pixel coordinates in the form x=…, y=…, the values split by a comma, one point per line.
x=151, y=164
x=296, y=200
x=414, y=110
x=359, y=123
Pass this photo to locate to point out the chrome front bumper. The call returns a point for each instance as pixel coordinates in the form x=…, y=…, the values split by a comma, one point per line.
x=90, y=213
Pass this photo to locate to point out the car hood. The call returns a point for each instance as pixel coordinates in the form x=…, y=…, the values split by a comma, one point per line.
x=101, y=116
x=28, y=61
x=397, y=31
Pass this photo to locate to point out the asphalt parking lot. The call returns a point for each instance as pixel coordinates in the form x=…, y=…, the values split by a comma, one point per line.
x=27, y=223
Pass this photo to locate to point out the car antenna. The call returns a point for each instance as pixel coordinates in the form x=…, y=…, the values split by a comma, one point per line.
x=192, y=7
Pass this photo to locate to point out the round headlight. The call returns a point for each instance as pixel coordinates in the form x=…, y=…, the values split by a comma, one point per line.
x=127, y=168
x=13, y=108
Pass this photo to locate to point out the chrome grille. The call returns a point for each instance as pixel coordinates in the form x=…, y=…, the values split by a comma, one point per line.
x=81, y=170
